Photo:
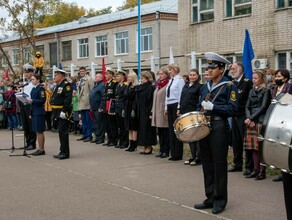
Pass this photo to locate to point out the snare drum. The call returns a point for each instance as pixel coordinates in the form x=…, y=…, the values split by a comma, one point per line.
x=276, y=149
x=191, y=127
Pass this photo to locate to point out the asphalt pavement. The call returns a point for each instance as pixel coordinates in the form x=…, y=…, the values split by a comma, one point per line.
x=106, y=183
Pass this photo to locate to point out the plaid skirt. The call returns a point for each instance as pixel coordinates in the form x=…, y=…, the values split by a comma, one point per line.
x=251, y=141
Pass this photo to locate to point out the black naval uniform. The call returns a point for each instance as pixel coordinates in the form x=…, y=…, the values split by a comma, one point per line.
x=214, y=147
x=238, y=127
x=123, y=133
x=61, y=102
x=110, y=119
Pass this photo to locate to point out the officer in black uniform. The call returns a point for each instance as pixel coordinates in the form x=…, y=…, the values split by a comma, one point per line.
x=61, y=111
x=219, y=101
x=123, y=134
x=244, y=85
x=108, y=108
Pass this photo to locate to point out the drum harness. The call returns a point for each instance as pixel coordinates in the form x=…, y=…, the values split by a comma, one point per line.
x=207, y=99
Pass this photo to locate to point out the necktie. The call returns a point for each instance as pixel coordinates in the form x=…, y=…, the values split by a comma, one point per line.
x=168, y=89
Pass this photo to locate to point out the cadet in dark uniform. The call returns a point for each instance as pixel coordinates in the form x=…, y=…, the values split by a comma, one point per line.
x=30, y=136
x=219, y=100
x=244, y=85
x=120, y=114
x=61, y=111
x=38, y=99
x=110, y=118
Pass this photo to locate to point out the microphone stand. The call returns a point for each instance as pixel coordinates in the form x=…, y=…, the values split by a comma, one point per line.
x=25, y=154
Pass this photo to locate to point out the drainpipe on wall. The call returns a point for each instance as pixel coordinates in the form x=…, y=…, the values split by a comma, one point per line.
x=158, y=36
x=58, y=49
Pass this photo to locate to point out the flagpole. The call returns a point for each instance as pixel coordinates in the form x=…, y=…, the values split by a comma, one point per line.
x=139, y=39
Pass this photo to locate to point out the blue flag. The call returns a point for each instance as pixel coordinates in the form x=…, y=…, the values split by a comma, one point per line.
x=247, y=55
x=60, y=66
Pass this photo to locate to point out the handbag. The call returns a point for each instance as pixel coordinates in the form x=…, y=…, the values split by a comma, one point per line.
x=7, y=105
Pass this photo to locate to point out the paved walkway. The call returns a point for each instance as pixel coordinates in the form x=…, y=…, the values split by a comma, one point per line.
x=104, y=183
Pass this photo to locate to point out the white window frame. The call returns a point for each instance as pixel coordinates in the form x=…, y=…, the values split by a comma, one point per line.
x=15, y=57
x=288, y=64
x=27, y=57
x=66, y=44
x=145, y=37
x=286, y=4
x=101, y=46
x=235, y=5
x=200, y=12
x=120, y=40
x=83, y=48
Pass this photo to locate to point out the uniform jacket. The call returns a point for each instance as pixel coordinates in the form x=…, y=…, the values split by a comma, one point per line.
x=85, y=87
x=95, y=96
x=119, y=96
x=159, y=120
x=257, y=104
x=38, y=97
x=62, y=97
x=189, y=98
x=243, y=88
x=109, y=93
x=225, y=105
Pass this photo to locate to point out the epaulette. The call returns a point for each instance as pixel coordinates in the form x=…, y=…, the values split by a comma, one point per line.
x=246, y=79
x=230, y=83
x=126, y=83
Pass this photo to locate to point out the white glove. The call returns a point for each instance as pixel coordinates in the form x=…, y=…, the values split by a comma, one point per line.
x=207, y=105
x=63, y=115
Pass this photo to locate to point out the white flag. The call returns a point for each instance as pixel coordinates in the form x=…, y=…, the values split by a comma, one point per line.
x=171, y=58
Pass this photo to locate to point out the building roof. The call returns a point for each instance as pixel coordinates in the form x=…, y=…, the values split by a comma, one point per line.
x=163, y=6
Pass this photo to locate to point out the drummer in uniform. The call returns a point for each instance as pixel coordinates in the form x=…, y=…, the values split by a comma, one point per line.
x=61, y=111
x=219, y=102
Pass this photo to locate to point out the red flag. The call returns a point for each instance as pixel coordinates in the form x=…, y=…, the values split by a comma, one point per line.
x=103, y=69
x=5, y=75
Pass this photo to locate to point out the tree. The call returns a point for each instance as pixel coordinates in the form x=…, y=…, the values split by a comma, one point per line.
x=22, y=15
x=133, y=3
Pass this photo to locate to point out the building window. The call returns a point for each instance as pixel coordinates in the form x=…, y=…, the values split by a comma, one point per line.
x=146, y=39
x=283, y=3
x=101, y=46
x=15, y=55
x=237, y=7
x=284, y=61
x=122, y=43
x=27, y=57
x=67, y=50
x=202, y=10
x=83, y=51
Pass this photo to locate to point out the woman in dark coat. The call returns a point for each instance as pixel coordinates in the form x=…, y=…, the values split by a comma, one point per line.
x=38, y=99
x=11, y=113
x=144, y=100
x=188, y=102
x=129, y=111
x=258, y=102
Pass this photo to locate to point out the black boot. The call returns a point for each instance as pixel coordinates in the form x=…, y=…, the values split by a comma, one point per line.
x=133, y=146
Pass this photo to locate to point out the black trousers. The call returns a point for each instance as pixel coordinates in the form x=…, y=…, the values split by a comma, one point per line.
x=30, y=136
x=111, y=128
x=63, y=129
x=237, y=134
x=163, y=134
x=49, y=120
x=176, y=146
x=98, y=125
x=214, y=150
x=287, y=184
x=123, y=134
x=195, y=150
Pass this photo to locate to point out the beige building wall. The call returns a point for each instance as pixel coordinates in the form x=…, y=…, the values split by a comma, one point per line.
x=270, y=31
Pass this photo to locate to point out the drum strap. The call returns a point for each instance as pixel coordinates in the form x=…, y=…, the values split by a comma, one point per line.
x=209, y=94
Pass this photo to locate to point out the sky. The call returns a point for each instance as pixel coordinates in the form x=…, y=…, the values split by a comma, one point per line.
x=98, y=4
